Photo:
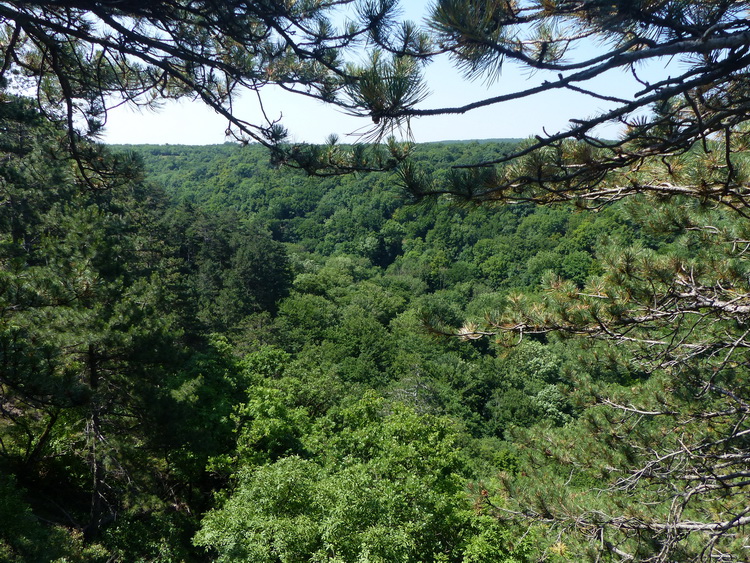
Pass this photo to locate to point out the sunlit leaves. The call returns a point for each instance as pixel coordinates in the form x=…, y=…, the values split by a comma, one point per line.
x=378, y=483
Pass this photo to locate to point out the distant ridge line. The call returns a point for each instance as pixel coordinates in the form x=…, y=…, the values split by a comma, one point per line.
x=444, y=142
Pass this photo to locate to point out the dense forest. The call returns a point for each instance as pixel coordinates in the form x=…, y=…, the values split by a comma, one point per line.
x=274, y=351
x=215, y=358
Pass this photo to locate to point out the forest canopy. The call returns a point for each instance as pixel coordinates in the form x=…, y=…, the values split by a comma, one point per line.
x=249, y=325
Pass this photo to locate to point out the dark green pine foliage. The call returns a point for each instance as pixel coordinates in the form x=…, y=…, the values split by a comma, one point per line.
x=654, y=467
x=85, y=336
x=107, y=417
x=231, y=266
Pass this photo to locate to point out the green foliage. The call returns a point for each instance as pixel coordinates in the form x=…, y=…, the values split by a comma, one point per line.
x=107, y=419
x=373, y=486
x=268, y=429
x=231, y=267
x=317, y=293
x=22, y=537
x=344, y=433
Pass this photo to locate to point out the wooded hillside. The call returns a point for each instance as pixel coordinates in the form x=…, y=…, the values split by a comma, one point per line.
x=217, y=358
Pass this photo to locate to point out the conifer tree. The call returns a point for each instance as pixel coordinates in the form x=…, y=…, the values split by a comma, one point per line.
x=86, y=338
x=656, y=468
x=80, y=58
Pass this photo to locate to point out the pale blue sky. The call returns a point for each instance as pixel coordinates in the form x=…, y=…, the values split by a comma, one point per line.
x=307, y=120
